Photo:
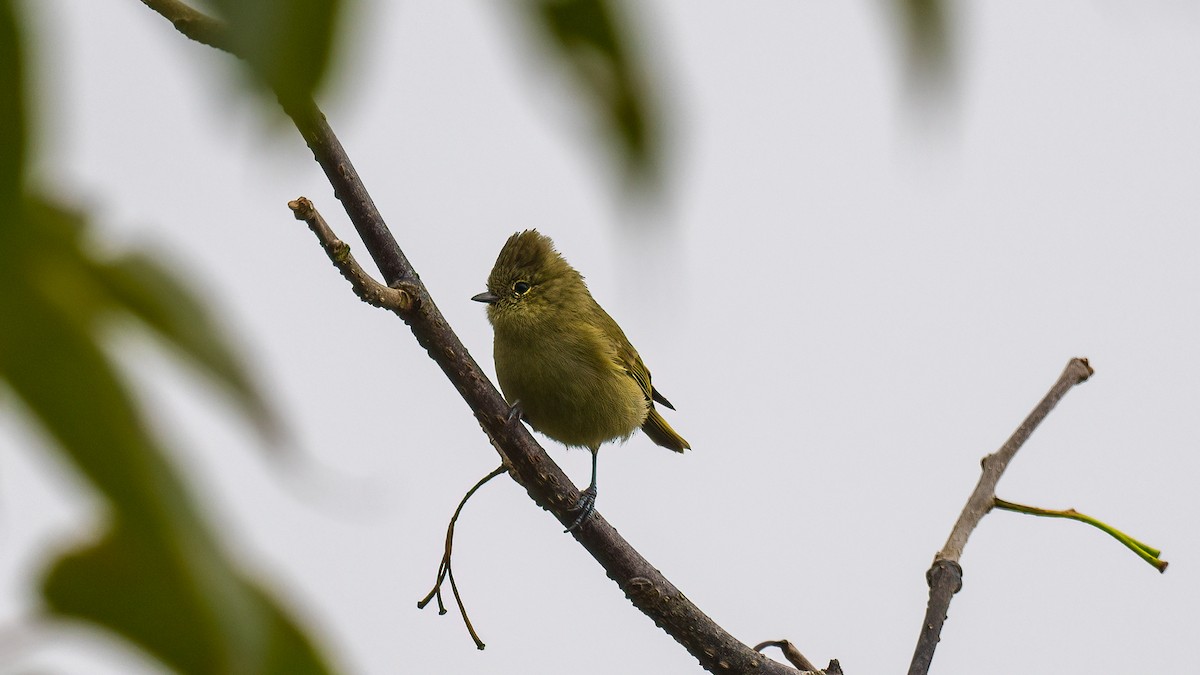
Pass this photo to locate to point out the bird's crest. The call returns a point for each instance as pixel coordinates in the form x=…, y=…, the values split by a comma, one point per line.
x=531, y=255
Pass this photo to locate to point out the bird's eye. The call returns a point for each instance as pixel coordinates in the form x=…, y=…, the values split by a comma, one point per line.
x=521, y=287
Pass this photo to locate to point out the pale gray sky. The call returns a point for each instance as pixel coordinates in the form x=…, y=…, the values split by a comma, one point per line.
x=847, y=308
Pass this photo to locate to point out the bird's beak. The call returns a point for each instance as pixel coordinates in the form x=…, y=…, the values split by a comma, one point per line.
x=486, y=296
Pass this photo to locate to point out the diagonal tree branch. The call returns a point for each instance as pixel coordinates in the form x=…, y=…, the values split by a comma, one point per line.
x=716, y=650
x=945, y=575
x=196, y=25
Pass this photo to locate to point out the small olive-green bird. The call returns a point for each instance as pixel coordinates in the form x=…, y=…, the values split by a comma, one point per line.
x=564, y=365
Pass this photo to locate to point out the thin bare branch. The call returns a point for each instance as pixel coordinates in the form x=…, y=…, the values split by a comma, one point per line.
x=945, y=575
x=194, y=24
x=790, y=653
x=445, y=569
x=530, y=466
x=398, y=298
x=980, y=502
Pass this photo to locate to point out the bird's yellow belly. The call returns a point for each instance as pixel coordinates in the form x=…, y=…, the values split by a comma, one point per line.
x=570, y=391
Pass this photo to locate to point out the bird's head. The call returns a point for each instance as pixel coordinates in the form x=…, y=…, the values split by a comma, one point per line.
x=530, y=282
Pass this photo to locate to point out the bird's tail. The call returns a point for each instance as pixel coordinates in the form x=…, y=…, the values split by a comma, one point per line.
x=661, y=433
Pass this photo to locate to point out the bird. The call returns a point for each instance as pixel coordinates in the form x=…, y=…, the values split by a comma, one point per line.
x=563, y=364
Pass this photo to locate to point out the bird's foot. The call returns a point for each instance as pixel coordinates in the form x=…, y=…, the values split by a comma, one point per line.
x=514, y=412
x=585, y=506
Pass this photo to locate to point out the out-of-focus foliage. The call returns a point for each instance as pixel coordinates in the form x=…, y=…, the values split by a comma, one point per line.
x=146, y=289
x=588, y=37
x=195, y=617
x=926, y=33
x=285, y=43
x=600, y=54
x=158, y=577
x=12, y=112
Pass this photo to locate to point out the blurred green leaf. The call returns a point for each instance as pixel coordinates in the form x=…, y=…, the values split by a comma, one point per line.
x=12, y=113
x=160, y=579
x=51, y=362
x=94, y=290
x=50, y=300
x=286, y=43
x=927, y=35
x=126, y=582
x=148, y=290
x=587, y=36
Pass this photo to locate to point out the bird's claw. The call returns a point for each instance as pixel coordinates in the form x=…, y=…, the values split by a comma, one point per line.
x=585, y=506
x=514, y=412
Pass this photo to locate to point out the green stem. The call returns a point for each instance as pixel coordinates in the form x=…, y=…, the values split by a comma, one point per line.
x=1144, y=551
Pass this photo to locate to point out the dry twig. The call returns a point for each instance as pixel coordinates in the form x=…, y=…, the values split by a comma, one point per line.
x=792, y=654
x=945, y=575
x=446, y=571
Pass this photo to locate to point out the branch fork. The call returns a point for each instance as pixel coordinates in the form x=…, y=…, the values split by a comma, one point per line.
x=399, y=297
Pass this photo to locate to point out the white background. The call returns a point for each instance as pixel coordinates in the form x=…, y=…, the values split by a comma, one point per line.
x=850, y=300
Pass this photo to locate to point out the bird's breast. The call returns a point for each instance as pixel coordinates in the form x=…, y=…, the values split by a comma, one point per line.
x=570, y=384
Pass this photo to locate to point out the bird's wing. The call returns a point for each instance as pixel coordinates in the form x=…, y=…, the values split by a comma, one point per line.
x=661, y=399
x=628, y=359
